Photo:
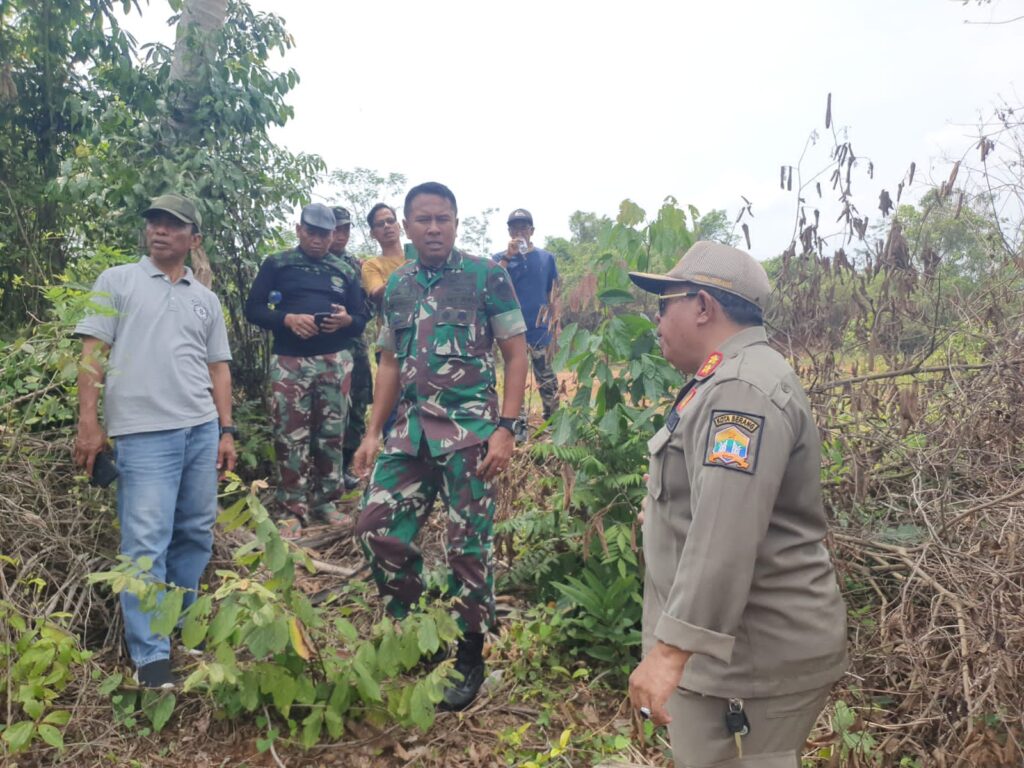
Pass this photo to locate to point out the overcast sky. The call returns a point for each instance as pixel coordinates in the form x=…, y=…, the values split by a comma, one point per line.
x=559, y=105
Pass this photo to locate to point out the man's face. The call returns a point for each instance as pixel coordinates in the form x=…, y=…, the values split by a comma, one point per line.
x=521, y=229
x=340, y=240
x=385, y=229
x=432, y=226
x=677, y=323
x=168, y=238
x=314, y=241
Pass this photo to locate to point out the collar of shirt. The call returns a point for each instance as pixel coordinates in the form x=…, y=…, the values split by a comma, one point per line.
x=755, y=334
x=153, y=270
x=429, y=274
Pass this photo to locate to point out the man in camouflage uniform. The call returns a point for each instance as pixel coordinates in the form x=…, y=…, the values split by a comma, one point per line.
x=442, y=315
x=362, y=380
x=312, y=301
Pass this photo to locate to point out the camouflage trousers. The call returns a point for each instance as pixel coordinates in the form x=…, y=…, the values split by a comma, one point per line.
x=547, y=381
x=310, y=400
x=397, y=503
x=361, y=396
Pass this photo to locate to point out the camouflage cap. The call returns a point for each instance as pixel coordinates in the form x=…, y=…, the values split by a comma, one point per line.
x=713, y=265
x=318, y=215
x=521, y=214
x=180, y=207
x=341, y=216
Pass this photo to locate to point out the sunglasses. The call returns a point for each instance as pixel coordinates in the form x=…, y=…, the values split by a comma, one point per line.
x=663, y=299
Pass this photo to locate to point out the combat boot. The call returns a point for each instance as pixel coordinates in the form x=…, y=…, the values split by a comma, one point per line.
x=469, y=662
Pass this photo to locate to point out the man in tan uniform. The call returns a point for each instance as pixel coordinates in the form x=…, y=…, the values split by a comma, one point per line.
x=744, y=626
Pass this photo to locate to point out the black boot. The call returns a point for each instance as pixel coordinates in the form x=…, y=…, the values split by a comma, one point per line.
x=350, y=480
x=469, y=662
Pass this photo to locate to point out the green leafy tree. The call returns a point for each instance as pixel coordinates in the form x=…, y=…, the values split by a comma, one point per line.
x=359, y=190
x=204, y=134
x=47, y=51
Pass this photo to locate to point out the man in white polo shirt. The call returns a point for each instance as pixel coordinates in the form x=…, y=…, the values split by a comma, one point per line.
x=167, y=401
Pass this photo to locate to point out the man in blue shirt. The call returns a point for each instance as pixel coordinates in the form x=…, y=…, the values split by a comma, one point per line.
x=535, y=278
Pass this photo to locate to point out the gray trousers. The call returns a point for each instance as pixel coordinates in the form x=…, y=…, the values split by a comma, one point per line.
x=779, y=726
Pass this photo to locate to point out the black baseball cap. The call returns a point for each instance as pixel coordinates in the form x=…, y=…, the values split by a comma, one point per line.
x=521, y=214
x=341, y=216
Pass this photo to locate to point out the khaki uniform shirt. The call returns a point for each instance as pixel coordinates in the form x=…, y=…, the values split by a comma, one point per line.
x=737, y=570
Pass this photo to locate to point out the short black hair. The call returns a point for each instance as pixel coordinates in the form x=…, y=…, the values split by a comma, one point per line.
x=379, y=207
x=430, y=188
x=737, y=309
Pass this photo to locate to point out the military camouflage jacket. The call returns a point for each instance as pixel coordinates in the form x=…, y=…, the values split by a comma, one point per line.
x=441, y=324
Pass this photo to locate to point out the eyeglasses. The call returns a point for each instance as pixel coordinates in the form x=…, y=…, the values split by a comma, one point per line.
x=663, y=299
x=389, y=222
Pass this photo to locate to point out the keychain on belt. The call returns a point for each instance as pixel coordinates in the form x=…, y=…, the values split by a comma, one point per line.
x=737, y=724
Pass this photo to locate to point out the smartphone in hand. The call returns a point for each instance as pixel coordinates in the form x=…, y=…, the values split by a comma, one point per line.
x=319, y=317
x=104, y=470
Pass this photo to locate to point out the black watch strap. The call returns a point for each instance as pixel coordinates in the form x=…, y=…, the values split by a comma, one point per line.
x=230, y=429
x=510, y=424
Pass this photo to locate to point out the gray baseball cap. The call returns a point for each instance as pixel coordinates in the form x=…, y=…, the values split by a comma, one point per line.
x=179, y=206
x=713, y=265
x=318, y=215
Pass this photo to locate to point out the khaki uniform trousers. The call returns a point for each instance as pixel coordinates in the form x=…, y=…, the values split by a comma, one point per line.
x=779, y=726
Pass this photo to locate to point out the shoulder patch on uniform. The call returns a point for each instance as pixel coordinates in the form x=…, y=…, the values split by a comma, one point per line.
x=713, y=361
x=499, y=284
x=733, y=440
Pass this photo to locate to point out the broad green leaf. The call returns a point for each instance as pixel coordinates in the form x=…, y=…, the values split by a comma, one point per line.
x=283, y=694
x=311, y=727
x=335, y=725
x=427, y=635
x=276, y=554
x=58, y=717
x=159, y=708
x=167, y=612
x=422, y=706
x=223, y=623
x=18, y=735
x=196, y=625
x=369, y=689
x=51, y=736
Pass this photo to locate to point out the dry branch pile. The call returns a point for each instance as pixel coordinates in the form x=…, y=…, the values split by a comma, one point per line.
x=918, y=388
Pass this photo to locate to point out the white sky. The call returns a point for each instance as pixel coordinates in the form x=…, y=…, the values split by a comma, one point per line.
x=566, y=105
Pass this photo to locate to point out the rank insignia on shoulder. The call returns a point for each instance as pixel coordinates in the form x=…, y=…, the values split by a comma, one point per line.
x=713, y=361
x=672, y=420
x=733, y=440
x=687, y=398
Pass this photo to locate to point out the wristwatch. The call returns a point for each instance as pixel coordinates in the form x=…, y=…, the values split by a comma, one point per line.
x=230, y=429
x=510, y=424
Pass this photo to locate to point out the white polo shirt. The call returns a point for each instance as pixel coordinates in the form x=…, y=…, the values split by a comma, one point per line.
x=162, y=337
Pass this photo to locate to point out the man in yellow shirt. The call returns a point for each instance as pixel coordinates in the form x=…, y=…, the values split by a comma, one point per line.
x=385, y=230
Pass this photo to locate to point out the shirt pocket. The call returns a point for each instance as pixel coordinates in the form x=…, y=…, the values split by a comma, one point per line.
x=657, y=447
x=402, y=327
x=456, y=331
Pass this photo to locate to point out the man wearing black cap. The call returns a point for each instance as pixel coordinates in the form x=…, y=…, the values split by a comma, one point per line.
x=744, y=627
x=167, y=403
x=312, y=301
x=535, y=277
x=362, y=380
